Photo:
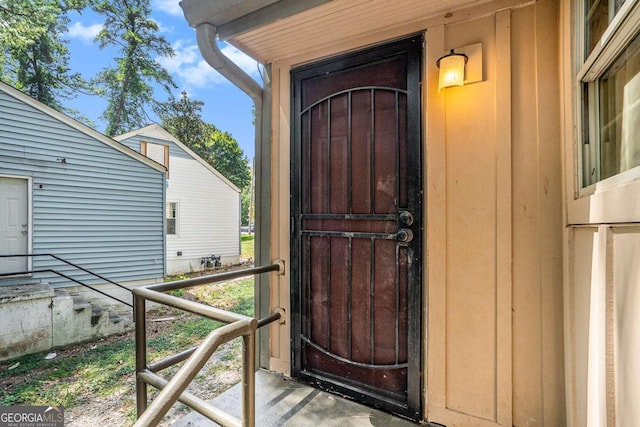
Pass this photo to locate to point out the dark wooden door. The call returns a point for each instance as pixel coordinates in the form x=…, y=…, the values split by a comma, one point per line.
x=356, y=244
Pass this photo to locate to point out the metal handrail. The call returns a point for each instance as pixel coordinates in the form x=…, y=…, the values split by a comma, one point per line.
x=67, y=277
x=171, y=391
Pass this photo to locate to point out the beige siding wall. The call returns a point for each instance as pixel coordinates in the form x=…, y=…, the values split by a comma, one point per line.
x=493, y=266
x=280, y=204
x=464, y=341
x=623, y=339
x=603, y=332
x=501, y=281
x=471, y=244
x=537, y=210
x=583, y=242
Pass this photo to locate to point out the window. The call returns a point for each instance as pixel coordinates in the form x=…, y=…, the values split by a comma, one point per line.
x=599, y=14
x=172, y=218
x=159, y=153
x=610, y=94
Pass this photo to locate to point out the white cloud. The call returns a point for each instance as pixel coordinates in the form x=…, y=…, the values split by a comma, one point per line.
x=86, y=34
x=248, y=64
x=189, y=68
x=171, y=7
x=170, y=29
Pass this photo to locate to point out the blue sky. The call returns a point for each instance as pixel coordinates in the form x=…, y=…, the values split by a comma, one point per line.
x=225, y=106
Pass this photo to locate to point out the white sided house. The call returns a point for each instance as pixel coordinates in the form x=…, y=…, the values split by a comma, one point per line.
x=202, y=206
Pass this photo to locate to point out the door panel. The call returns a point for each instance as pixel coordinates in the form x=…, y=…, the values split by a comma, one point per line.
x=356, y=180
x=14, y=227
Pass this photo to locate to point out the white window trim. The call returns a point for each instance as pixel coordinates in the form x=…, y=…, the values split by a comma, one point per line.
x=166, y=153
x=177, y=233
x=622, y=29
x=619, y=33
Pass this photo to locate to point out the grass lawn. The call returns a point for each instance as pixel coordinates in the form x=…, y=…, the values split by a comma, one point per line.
x=247, y=246
x=98, y=378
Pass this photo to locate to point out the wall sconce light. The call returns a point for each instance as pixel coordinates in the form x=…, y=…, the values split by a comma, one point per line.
x=451, y=69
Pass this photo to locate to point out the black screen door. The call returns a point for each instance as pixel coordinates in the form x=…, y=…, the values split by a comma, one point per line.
x=356, y=244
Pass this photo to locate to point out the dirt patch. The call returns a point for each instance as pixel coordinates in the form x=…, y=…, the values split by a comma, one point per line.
x=93, y=407
x=221, y=372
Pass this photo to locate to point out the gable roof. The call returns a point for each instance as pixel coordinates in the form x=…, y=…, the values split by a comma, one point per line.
x=80, y=127
x=156, y=131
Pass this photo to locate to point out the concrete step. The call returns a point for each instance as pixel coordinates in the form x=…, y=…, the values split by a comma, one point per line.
x=77, y=320
x=37, y=317
x=80, y=305
x=284, y=402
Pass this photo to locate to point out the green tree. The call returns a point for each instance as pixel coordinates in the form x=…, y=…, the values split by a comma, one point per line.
x=228, y=158
x=182, y=119
x=127, y=86
x=245, y=206
x=35, y=57
x=22, y=22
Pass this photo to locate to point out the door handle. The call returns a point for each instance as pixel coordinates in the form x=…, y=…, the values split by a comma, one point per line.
x=404, y=235
x=24, y=232
x=405, y=218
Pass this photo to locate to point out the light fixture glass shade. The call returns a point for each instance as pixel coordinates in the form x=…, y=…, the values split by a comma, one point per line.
x=451, y=70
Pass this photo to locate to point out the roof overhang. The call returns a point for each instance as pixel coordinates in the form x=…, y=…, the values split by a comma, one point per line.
x=233, y=17
x=269, y=30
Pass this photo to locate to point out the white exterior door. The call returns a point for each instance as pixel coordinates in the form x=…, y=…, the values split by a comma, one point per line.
x=14, y=224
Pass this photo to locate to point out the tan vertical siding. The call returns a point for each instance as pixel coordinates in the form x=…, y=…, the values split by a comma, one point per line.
x=624, y=330
x=603, y=333
x=538, y=340
x=471, y=231
x=493, y=273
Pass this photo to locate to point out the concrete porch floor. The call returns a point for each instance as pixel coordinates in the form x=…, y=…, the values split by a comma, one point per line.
x=282, y=401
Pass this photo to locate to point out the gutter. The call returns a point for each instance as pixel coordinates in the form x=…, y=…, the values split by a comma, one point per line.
x=206, y=36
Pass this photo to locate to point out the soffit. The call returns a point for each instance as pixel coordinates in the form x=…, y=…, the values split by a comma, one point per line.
x=269, y=30
x=220, y=12
x=231, y=17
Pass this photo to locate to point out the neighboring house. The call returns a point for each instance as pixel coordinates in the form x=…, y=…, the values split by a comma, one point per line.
x=70, y=191
x=512, y=294
x=202, y=206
